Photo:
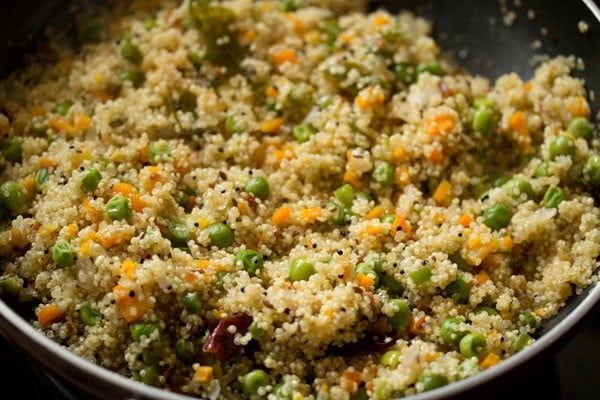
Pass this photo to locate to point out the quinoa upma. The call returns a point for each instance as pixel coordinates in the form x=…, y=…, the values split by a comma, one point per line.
x=290, y=199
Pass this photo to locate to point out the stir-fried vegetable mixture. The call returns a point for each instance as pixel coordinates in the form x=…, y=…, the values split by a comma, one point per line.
x=289, y=199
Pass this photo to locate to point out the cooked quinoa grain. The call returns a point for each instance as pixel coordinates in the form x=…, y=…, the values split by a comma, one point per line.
x=290, y=199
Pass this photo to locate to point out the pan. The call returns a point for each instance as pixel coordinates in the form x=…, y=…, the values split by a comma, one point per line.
x=489, y=38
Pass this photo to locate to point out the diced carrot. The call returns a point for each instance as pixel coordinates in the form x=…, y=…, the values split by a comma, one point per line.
x=129, y=267
x=129, y=304
x=375, y=213
x=90, y=211
x=481, y=277
x=189, y=277
x=103, y=95
x=84, y=247
x=478, y=250
x=528, y=86
x=286, y=55
x=298, y=27
x=443, y=193
x=271, y=125
x=465, y=220
x=399, y=154
x=281, y=215
x=17, y=239
x=203, y=223
x=429, y=357
x=285, y=153
x=435, y=156
x=203, y=264
x=439, y=218
x=364, y=280
x=124, y=188
x=347, y=272
x=352, y=178
x=402, y=176
x=38, y=111
x=441, y=123
x=346, y=38
x=507, y=243
x=518, y=123
x=368, y=98
x=49, y=314
x=310, y=215
x=45, y=162
x=400, y=223
x=248, y=35
x=415, y=325
x=203, y=374
x=352, y=375
x=72, y=229
x=380, y=21
x=490, y=360
x=372, y=230
x=328, y=313
x=28, y=184
x=81, y=122
x=137, y=203
x=60, y=125
x=271, y=91
x=578, y=106
x=492, y=261
x=539, y=312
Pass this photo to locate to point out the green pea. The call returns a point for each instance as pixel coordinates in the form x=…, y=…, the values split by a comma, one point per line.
x=301, y=269
x=366, y=269
x=252, y=261
x=89, y=31
x=150, y=23
x=519, y=187
x=233, y=124
x=561, y=146
x=527, y=318
x=62, y=108
x=458, y=290
x=487, y=310
x=140, y=330
x=553, y=197
x=430, y=381
x=118, y=207
x=11, y=285
x=63, y=254
x=360, y=394
x=89, y=315
x=482, y=120
x=302, y=132
x=37, y=126
x=468, y=368
x=340, y=215
x=289, y=5
x=383, y=393
x=383, y=174
x=258, y=186
x=472, y=345
x=12, y=150
x=401, y=317
x=452, y=330
x=221, y=279
x=12, y=195
x=253, y=381
x=388, y=218
x=421, y=275
x=282, y=391
x=500, y=181
x=192, y=302
x=591, y=171
x=40, y=178
x=522, y=341
x=150, y=374
x=179, y=232
x=324, y=101
x=135, y=77
x=220, y=235
x=405, y=73
x=541, y=170
x=461, y=264
x=433, y=68
x=483, y=102
x=158, y=150
x=256, y=332
x=345, y=194
x=90, y=180
x=130, y=51
x=393, y=287
x=390, y=358
x=581, y=127
x=497, y=216
x=184, y=350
